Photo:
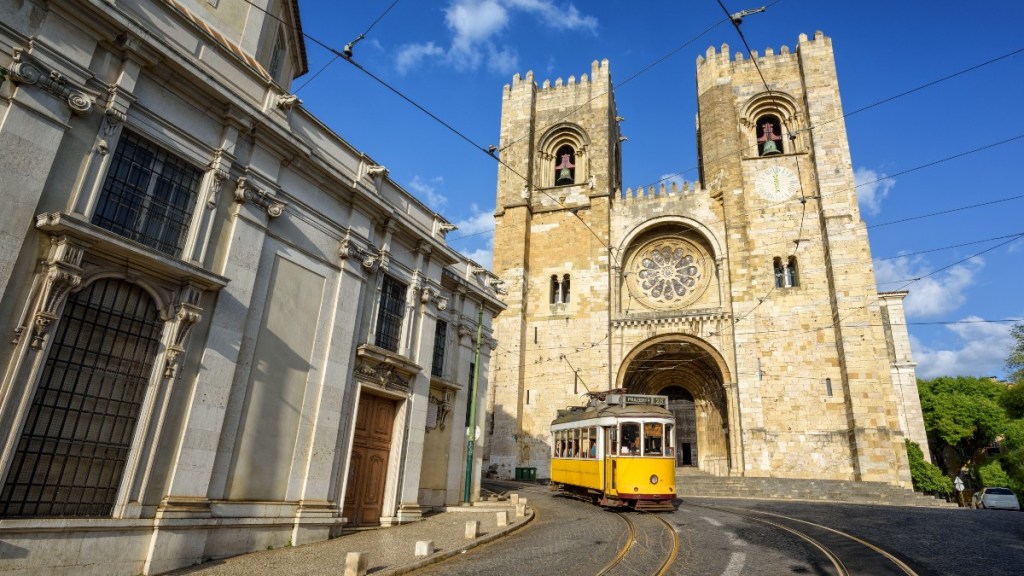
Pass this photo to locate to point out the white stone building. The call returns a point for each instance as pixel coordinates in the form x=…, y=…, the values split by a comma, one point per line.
x=228, y=328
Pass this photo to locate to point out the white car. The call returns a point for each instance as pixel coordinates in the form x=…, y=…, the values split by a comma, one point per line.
x=1000, y=498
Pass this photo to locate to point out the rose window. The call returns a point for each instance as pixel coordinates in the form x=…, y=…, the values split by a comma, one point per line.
x=668, y=273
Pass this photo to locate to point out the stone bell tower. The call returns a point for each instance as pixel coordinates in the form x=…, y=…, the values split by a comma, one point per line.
x=560, y=168
x=815, y=377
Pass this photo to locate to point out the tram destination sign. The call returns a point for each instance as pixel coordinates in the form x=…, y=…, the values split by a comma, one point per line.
x=634, y=399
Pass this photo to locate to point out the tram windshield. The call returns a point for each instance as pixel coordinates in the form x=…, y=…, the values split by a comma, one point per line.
x=645, y=439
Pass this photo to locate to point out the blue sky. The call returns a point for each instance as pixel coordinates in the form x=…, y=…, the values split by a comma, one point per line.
x=454, y=56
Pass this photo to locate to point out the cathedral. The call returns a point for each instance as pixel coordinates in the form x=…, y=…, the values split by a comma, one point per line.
x=748, y=298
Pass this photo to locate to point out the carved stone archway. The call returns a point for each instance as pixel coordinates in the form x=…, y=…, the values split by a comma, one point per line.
x=682, y=366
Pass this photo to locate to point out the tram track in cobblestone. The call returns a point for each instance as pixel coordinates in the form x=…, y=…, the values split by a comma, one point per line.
x=848, y=554
x=645, y=552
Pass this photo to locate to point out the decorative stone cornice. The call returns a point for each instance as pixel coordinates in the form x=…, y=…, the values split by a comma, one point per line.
x=29, y=70
x=385, y=369
x=246, y=192
x=429, y=294
x=187, y=317
x=369, y=257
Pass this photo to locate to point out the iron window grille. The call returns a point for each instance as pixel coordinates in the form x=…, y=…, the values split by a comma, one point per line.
x=75, y=441
x=390, y=314
x=148, y=195
x=440, y=336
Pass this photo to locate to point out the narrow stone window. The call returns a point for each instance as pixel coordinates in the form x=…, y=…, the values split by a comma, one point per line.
x=556, y=295
x=780, y=274
x=792, y=278
x=828, y=386
x=565, y=289
x=440, y=335
x=769, y=135
x=565, y=166
x=277, y=54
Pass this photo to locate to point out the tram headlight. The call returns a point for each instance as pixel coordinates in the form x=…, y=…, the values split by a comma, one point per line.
x=654, y=478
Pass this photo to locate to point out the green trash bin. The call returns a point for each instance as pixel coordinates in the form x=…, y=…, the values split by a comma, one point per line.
x=529, y=473
x=519, y=473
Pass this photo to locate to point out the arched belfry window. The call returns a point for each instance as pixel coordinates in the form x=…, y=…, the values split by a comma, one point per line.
x=565, y=289
x=555, y=290
x=769, y=135
x=565, y=166
x=780, y=273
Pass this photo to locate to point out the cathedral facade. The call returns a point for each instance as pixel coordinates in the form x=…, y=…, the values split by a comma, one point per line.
x=748, y=298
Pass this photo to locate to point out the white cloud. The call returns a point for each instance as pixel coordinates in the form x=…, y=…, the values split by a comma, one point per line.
x=482, y=256
x=933, y=295
x=428, y=192
x=410, y=55
x=475, y=24
x=872, y=188
x=502, y=62
x=981, y=350
x=479, y=223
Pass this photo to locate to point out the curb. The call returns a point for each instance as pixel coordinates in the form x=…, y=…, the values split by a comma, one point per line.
x=456, y=551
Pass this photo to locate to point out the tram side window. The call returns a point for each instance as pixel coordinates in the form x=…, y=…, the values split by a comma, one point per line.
x=556, y=444
x=653, y=438
x=630, y=438
x=669, y=441
x=592, y=450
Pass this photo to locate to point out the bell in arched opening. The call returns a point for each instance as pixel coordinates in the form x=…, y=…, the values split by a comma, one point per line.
x=768, y=140
x=565, y=173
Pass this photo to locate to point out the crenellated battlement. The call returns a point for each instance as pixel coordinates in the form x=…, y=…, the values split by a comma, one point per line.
x=599, y=73
x=661, y=192
x=721, y=57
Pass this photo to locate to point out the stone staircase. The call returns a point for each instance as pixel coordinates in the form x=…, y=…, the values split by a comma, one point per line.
x=693, y=483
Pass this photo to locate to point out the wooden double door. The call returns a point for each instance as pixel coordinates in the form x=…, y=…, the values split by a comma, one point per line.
x=368, y=468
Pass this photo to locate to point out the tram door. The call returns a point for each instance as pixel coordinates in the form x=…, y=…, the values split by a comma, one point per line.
x=680, y=403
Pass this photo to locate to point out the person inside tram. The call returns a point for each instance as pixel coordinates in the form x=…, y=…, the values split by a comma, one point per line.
x=558, y=449
x=593, y=449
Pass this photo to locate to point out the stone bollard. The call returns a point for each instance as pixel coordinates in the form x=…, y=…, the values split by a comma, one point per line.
x=514, y=499
x=472, y=529
x=424, y=547
x=522, y=501
x=503, y=518
x=520, y=510
x=355, y=564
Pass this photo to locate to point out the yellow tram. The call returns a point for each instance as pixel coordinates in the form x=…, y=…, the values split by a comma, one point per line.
x=619, y=450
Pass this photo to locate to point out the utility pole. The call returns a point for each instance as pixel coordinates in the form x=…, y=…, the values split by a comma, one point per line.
x=471, y=431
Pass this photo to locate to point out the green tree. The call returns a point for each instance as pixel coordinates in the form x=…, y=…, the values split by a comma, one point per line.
x=991, y=473
x=1015, y=361
x=962, y=415
x=1013, y=401
x=927, y=477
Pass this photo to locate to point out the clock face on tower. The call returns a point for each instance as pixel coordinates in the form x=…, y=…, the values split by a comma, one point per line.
x=776, y=183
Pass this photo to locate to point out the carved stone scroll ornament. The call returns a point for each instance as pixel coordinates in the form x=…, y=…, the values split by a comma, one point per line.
x=246, y=192
x=187, y=317
x=443, y=407
x=62, y=277
x=288, y=101
x=112, y=121
x=28, y=70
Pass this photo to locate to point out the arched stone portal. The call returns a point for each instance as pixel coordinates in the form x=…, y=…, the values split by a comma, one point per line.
x=693, y=375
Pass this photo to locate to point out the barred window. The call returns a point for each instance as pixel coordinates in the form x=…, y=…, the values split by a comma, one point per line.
x=390, y=314
x=148, y=196
x=75, y=441
x=440, y=335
